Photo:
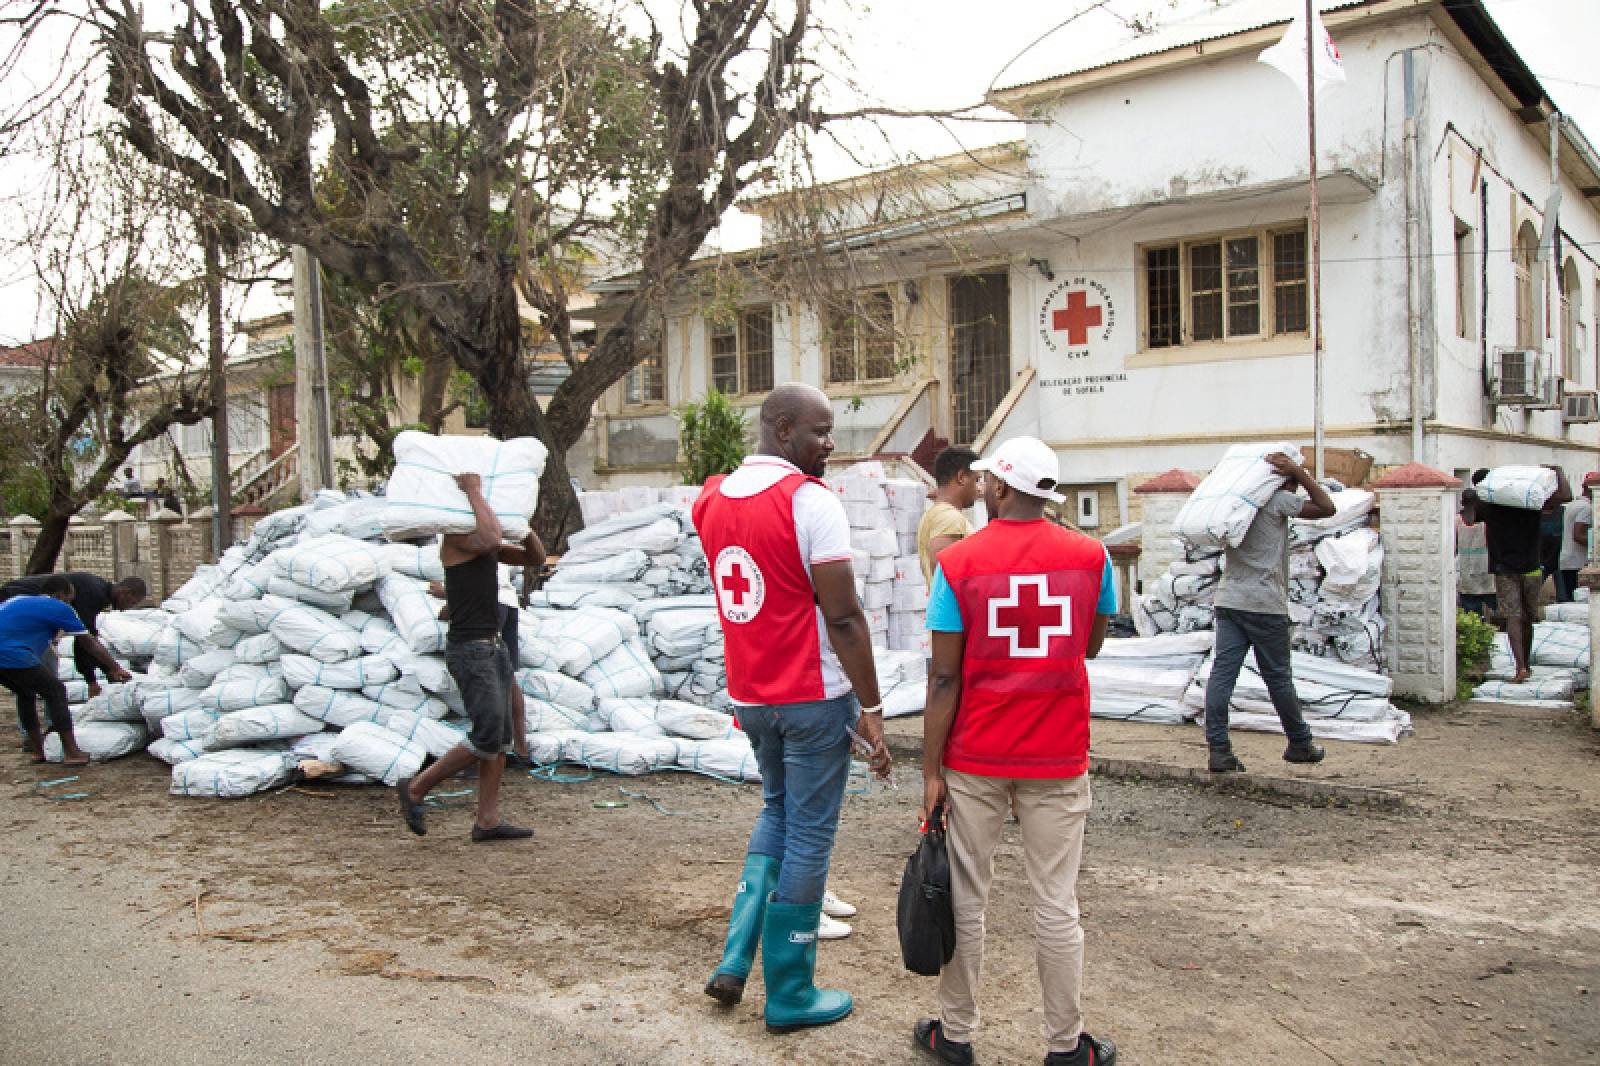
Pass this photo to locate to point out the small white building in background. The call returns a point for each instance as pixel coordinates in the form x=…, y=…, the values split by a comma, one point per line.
x=1130, y=282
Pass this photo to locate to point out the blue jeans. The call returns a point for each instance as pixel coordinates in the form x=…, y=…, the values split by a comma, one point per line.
x=804, y=755
x=1268, y=634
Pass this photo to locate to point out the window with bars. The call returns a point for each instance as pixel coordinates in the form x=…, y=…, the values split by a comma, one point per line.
x=980, y=350
x=646, y=383
x=1523, y=264
x=860, y=337
x=742, y=352
x=1216, y=288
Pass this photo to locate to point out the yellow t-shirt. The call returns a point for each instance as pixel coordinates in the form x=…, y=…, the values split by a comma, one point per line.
x=940, y=520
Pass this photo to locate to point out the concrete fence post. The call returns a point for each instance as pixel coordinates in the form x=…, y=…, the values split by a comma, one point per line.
x=200, y=523
x=1416, y=506
x=163, y=527
x=119, y=536
x=24, y=531
x=1164, y=495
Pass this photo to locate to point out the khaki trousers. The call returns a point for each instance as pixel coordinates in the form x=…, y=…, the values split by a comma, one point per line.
x=1052, y=812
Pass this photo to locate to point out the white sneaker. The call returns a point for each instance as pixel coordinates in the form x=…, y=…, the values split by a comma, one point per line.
x=834, y=907
x=829, y=929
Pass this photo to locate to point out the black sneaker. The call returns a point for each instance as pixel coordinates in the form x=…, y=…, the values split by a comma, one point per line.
x=1089, y=1052
x=1303, y=751
x=1224, y=762
x=930, y=1039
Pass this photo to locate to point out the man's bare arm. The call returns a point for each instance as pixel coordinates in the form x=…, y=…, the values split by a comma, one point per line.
x=944, y=695
x=486, y=536
x=1097, y=635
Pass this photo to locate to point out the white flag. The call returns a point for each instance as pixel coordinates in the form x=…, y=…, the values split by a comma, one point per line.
x=1288, y=56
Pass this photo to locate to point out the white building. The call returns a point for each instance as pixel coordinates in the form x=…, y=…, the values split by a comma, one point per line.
x=1130, y=282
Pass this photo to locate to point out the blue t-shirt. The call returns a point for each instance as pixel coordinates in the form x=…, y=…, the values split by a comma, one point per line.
x=944, y=613
x=27, y=626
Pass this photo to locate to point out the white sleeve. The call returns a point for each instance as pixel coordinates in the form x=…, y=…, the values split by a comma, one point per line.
x=820, y=525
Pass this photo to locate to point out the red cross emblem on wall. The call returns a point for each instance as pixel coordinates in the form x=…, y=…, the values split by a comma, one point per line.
x=1078, y=317
x=1029, y=616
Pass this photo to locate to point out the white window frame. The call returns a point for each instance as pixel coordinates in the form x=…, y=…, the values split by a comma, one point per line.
x=1466, y=281
x=1571, y=321
x=1526, y=272
x=1267, y=285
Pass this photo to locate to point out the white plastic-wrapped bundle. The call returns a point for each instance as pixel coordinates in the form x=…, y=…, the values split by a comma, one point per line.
x=556, y=688
x=237, y=695
x=578, y=639
x=545, y=748
x=1128, y=707
x=172, y=647
x=133, y=634
x=407, y=696
x=278, y=721
x=100, y=740
x=1552, y=689
x=369, y=748
x=358, y=519
x=731, y=758
x=693, y=723
x=1526, y=488
x=620, y=753
x=232, y=774
x=339, y=708
x=433, y=735
x=431, y=674
x=248, y=672
x=627, y=671
x=207, y=581
x=332, y=563
x=1574, y=613
x=251, y=617
x=116, y=703
x=189, y=725
x=544, y=716
x=1352, y=509
x=199, y=671
x=422, y=493
x=414, y=612
x=261, y=648
x=413, y=560
x=155, y=704
x=1219, y=512
x=173, y=752
x=352, y=674
x=333, y=602
x=630, y=716
x=1561, y=644
x=1353, y=563
x=315, y=633
x=203, y=624
x=250, y=583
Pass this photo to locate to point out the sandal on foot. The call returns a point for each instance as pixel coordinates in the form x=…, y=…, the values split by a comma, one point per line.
x=502, y=831
x=410, y=809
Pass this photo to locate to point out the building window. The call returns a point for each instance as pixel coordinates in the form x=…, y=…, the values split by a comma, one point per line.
x=1571, y=308
x=1213, y=289
x=980, y=350
x=1465, y=304
x=1526, y=269
x=860, y=337
x=741, y=352
x=646, y=383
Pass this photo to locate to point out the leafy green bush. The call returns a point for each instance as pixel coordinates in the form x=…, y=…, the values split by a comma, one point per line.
x=712, y=438
x=24, y=491
x=1474, y=638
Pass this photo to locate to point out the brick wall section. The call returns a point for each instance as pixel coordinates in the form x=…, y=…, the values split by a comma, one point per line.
x=165, y=552
x=1417, y=507
x=87, y=548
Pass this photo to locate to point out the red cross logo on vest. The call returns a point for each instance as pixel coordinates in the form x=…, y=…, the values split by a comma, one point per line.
x=1029, y=616
x=1078, y=318
x=741, y=588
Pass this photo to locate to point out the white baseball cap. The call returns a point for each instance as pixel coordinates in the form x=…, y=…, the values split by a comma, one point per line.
x=1026, y=464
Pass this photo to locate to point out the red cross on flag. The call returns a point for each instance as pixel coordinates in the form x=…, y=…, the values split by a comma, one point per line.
x=1288, y=56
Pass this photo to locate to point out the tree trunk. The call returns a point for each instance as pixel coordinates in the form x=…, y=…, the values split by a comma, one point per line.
x=52, y=538
x=435, y=379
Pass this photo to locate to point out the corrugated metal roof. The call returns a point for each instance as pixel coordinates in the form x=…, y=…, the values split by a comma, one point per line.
x=1226, y=20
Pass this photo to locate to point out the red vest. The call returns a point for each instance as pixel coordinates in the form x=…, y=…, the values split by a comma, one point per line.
x=1028, y=593
x=765, y=600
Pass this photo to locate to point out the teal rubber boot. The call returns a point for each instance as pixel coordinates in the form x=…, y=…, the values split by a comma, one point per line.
x=757, y=882
x=789, y=964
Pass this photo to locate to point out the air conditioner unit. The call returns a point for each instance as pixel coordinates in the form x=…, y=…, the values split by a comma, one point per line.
x=1520, y=380
x=1580, y=405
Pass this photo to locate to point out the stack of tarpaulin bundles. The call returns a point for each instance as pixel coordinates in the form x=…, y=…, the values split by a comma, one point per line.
x=1341, y=702
x=1559, y=666
x=884, y=513
x=1335, y=571
x=1145, y=679
x=684, y=638
x=631, y=557
x=1182, y=599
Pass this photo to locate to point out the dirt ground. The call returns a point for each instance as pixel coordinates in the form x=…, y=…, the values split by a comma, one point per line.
x=307, y=925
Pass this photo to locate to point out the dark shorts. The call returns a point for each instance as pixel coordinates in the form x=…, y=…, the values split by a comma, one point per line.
x=1517, y=596
x=482, y=671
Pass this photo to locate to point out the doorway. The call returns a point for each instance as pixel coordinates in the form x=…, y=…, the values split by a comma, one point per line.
x=980, y=350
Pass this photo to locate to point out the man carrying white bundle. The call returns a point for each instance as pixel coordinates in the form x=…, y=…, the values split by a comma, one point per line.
x=1252, y=614
x=481, y=666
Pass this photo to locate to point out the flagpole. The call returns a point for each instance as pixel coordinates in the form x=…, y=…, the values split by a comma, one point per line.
x=1316, y=234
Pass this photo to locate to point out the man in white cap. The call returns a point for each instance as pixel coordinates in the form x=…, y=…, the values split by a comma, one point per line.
x=1015, y=610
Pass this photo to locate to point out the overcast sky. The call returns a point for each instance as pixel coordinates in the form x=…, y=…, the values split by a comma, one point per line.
x=947, y=53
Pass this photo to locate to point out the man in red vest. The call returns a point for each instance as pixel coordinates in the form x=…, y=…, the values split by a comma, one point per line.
x=1015, y=609
x=799, y=659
